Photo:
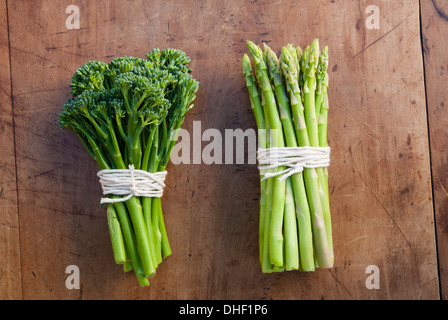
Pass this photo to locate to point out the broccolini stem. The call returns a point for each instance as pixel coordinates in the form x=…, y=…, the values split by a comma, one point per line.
x=116, y=235
x=147, y=215
x=130, y=244
x=165, y=245
x=148, y=148
x=115, y=149
x=156, y=231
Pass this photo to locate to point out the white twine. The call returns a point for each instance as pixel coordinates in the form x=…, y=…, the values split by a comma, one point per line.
x=131, y=183
x=294, y=158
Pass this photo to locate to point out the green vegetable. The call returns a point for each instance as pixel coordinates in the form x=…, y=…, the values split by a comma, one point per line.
x=290, y=92
x=128, y=112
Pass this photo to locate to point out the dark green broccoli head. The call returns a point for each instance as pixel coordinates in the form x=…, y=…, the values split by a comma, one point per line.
x=89, y=76
x=114, y=103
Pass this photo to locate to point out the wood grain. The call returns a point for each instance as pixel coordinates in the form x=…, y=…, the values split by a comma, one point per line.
x=434, y=30
x=10, y=275
x=380, y=177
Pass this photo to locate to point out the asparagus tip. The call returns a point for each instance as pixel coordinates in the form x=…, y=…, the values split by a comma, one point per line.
x=247, y=68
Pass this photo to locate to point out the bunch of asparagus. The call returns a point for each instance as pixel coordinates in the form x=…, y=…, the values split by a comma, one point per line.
x=288, y=96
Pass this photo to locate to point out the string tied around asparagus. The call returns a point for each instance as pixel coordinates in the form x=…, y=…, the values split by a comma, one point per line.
x=131, y=183
x=295, y=159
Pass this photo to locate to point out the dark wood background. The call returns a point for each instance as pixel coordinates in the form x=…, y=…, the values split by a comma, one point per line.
x=388, y=133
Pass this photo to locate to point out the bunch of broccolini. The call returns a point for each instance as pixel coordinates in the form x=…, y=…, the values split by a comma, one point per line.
x=288, y=96
x=128, y=112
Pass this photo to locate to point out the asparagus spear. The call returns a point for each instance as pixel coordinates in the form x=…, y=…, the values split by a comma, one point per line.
x=321, y=78
x=292, y=259
x=266, y=265
x=277, y=140
x=322, y=126
x=298, y=184
x=290, y=68
x=257, y=108
x=309, y=63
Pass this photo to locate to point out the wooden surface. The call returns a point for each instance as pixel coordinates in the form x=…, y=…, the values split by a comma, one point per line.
x=10, y=268
x=434, y=31
x=384, y=87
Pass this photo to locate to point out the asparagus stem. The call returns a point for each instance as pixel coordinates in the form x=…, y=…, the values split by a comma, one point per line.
x=323, y=132
x=323, y=120
x=276, y=132
x=266, y=265
x=309, y=65
x=257, y=108
x=289, y=61
x=298, y=184
x=323, y=124
x=290, y=230
x=263, y=203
